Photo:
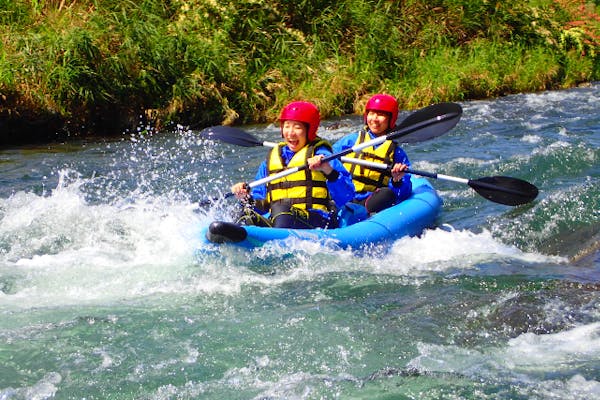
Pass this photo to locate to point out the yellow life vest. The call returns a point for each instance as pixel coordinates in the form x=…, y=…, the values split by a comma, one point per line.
x=368, y=179
x=304, y=189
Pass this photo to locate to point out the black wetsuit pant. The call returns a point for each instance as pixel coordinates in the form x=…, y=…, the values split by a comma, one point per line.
x=381, y=199
x=286, y=216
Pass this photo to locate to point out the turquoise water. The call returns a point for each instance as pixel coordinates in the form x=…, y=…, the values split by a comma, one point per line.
x=107, y=293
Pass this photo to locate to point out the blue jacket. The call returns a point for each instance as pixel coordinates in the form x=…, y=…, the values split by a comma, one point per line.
x=341, y=190
x=402, y=191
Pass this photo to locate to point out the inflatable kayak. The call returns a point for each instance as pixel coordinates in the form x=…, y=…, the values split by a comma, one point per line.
x=408, y=218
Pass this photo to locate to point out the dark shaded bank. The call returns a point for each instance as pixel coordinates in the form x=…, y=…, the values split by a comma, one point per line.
x=21, y=126
x=18, y=128
x=72, y=69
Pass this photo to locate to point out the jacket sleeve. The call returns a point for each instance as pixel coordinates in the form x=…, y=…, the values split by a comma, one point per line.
x=404, y=189
x=260, y=192
x=342, y=189
x=345, y=143
x=342, y=144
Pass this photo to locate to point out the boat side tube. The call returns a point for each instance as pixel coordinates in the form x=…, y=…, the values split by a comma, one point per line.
x=408, y=218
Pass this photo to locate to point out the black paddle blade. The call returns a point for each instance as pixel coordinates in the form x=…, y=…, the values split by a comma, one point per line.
x=230, y=135
x=505, y=190
x=444, y=115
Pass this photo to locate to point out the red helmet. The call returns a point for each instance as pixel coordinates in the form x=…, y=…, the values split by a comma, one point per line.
x=386, y=103
x=302, y=111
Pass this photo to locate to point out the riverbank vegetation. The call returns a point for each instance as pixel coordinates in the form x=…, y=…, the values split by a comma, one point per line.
x=69, y=67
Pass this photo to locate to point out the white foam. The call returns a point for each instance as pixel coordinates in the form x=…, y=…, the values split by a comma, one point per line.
x=440, y=249
x=527, y=359
x=45, y=388
x=560, y=350
x=62, y=250
x=534, y=139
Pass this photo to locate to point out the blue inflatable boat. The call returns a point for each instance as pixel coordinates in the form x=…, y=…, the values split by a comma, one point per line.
x=409, y=218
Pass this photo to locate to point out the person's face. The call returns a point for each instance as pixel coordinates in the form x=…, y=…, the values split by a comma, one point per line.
x=294, y=134
x=378, y=122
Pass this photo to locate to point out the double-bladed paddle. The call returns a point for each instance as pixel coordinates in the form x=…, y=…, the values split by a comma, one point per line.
x=499, y=189
x=424, y=124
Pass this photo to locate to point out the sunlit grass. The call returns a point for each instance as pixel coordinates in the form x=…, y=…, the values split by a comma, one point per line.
x=205, y=62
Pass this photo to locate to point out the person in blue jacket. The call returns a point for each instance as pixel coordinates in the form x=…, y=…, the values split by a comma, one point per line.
x=378, y=189
x=307, y=198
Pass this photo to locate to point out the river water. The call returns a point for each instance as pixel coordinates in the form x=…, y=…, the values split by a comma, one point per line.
x=107, y=293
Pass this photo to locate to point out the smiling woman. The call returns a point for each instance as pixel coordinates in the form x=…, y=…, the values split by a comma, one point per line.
x=378, y=189
x=306, y=197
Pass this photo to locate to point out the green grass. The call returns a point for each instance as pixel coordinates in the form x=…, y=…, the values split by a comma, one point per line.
x=101, y=64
